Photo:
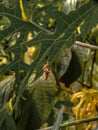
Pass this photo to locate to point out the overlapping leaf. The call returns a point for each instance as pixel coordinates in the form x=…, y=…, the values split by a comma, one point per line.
x=16, y=25
x=6, y=120
x=50, y=42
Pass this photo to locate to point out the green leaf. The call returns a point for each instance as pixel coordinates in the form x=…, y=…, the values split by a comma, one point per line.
x=37, y=106
x=91, y=20
x=50, y=42
x=58, y=104
x=73, y=72
x=9, y=122
x=6, y=120
x=68, y=103
x=65, y=116
x=43, y=93
x=93, y=36
x=16, y=25
x=26, y=113
x=62, y=61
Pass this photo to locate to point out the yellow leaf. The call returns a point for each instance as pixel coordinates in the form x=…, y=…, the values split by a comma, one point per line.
x=24, y=17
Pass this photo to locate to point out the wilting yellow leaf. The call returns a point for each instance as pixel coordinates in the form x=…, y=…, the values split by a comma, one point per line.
x=24, y=17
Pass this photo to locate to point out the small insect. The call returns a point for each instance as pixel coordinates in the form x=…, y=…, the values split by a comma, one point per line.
x=46, y=70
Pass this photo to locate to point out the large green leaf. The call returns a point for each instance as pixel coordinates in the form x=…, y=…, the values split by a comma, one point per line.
x=6, y=120
x=43, y=93
x=50, y=42
x=37, y=106
x=91, y=20
x=73, y=72
x=61, y=62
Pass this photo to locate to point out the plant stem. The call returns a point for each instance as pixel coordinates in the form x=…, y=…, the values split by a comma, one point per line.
x=92, y=67
x=86, y=45
x=76, y=122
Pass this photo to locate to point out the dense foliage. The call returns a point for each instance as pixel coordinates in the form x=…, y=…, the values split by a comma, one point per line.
x=46, y=77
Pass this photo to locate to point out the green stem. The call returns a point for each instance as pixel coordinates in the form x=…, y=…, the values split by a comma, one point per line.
x=86, y=45
x=76, y=122
x=92, y=67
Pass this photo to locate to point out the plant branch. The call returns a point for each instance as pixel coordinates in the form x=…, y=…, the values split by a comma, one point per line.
x=83, y=85
x=76, y=122
x=86, y=45
x=92, y=66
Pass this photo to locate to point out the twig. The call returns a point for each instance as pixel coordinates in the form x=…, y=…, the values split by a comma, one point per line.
x=86, y=45
x=92, y=66
x=76, y=122
x=83, y=85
